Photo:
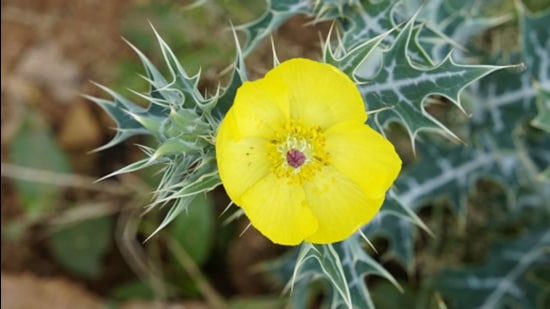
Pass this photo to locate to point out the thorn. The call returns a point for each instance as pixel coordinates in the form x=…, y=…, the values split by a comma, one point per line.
x=226, y=208
x=380, y=110
x=194, y=5
x=234, y=216
x=274, y=51
x=326, y=42
x=245, y=229
x=368, y=241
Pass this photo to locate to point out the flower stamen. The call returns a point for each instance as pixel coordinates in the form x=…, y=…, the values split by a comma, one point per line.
x=297, y=152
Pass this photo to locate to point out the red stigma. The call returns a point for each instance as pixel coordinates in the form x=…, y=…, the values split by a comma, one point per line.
x=295, y=158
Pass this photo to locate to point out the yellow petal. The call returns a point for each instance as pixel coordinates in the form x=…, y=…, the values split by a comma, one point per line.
x=279, y=211
x=364, y=156
x=339, y=205
x=260, y=107
x=319, y=94
x=241, y=162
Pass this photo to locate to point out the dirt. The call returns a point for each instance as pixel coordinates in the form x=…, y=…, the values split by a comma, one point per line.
x=50, y=51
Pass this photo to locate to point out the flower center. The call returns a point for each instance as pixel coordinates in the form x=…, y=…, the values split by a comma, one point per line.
x=295, y=158
x=297, y=151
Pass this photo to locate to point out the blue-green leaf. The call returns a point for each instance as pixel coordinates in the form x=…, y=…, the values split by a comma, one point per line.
x=278, y=11
x=35, y=147
x=542, y=120
x=404, y=87
x=509, y=276
x=81, y=246
x=194, y=229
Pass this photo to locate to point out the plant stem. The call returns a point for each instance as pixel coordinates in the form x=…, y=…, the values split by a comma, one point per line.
x=214, y=299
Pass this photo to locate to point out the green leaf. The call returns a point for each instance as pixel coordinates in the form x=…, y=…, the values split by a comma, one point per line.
x=545, y=175
x=343, y=266
x=396, y=222
x=450, y=26
x=503, y=102
x=357, y=265
x=118, y=109
x=132, y=290
x=363, y=22
x=353, y=62
x=535, y=43
x=173, y=146
x=324, y=260
x=405, y=76
x=81, y=246
x=35, y=147
x=194, y=229
x=180, y=79
x=400, y=233
x=508, y=277
x=403, y=86
x=253, y=303
x=277, y=12
x=384, y=295
x=453, y=170
x=182, y=121
x=542, y=120
x=225, y=100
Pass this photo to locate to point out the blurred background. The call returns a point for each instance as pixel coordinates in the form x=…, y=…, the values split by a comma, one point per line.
x=67, y=240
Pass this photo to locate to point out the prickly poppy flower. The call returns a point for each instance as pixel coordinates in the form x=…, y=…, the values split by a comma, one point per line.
x=295, y=154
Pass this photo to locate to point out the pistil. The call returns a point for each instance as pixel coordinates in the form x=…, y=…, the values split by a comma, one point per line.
x=295, y=158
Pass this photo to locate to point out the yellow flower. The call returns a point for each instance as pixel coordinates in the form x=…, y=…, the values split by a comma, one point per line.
x=295, y=153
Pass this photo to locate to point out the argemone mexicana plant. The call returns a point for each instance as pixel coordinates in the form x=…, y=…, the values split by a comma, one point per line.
x=297, y=153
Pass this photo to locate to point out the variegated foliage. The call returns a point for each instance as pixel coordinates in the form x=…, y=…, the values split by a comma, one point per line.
x=404, y=57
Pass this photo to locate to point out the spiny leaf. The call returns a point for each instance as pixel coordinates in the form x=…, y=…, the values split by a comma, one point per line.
x=324, y=259
x=450, y=25
x=180, y=79
x=535, y=43
x=404, y=86
x=132, y=167
x=542, y=120
x=453, y=171
x=127, y=126
x=344, y=266
x=506, y=100
x=352, y=61
x=393, y=205
x=400, y=234
x=396, y=222
x=507, y=277
x=333, y=9
x=357, y=265
x=361, y=23
x=180, y=118
x=278, y=11
x=225, y=100
x=535, y=46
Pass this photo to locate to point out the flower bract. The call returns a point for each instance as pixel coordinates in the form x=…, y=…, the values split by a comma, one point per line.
x=295, y=154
